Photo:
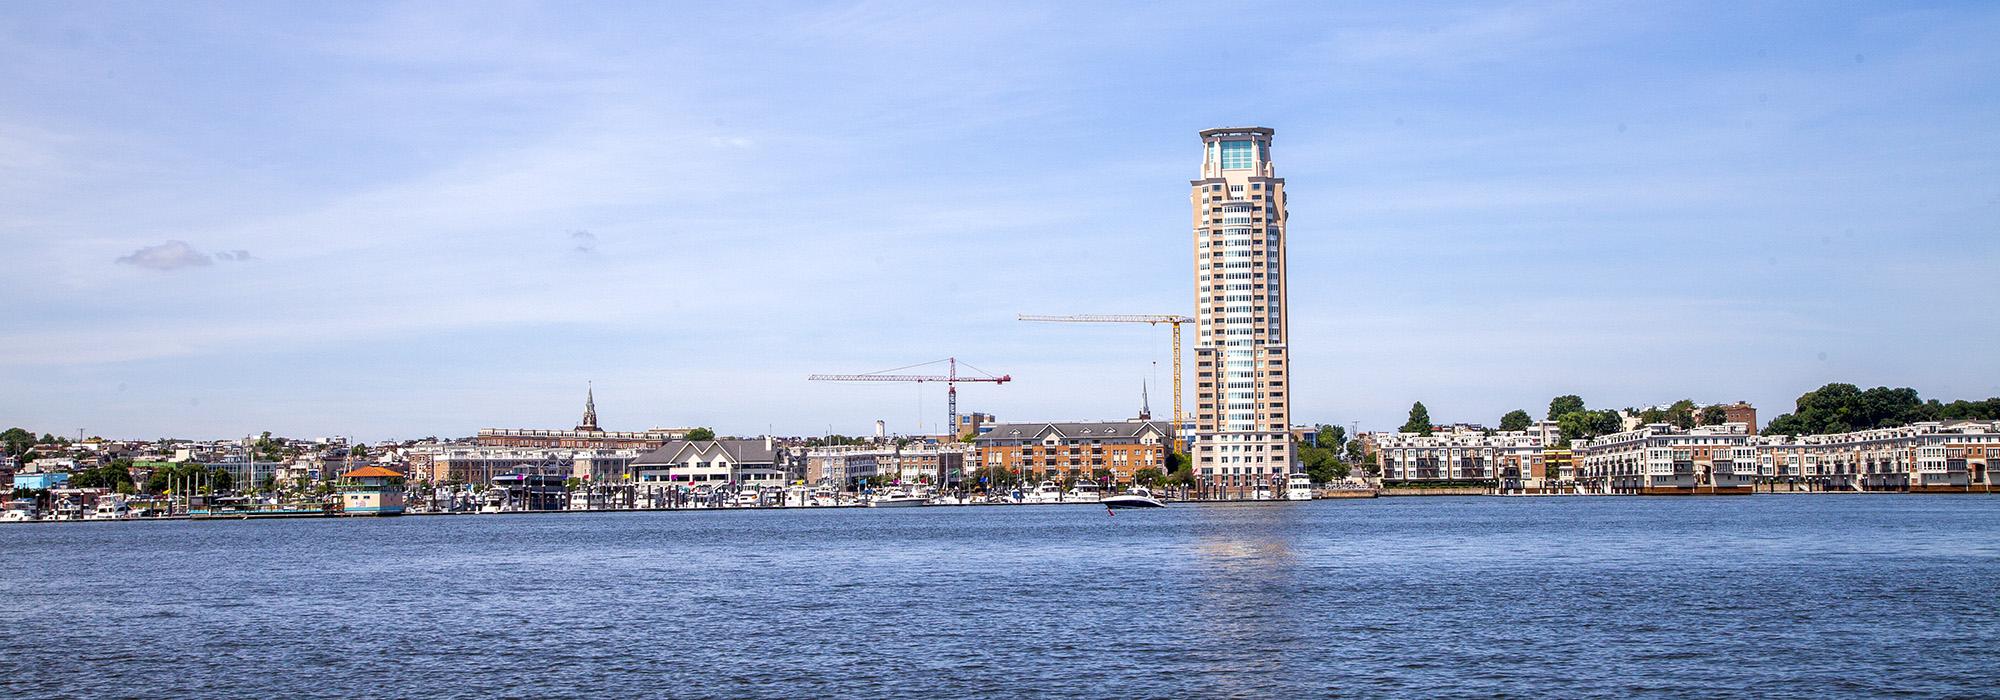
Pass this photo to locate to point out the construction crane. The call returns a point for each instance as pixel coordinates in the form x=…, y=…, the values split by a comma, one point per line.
x=950, y=379
x=1174, y=320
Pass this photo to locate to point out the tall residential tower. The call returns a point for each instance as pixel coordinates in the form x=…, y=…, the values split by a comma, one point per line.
x=1242, y=408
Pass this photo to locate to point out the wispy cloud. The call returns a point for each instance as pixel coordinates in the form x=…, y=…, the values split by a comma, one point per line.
x=171, y=255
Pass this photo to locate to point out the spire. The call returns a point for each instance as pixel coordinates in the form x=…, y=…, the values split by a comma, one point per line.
x=1145, y=403
x=589, y=410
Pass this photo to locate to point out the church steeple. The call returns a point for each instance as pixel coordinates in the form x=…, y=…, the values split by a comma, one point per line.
x=1145, y=403
x=590, y=411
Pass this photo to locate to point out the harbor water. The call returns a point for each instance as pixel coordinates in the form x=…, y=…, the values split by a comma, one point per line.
x=1766, y=596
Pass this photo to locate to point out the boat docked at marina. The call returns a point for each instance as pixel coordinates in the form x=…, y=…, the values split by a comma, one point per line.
x=1299, y=488
x=1136, y=497
x=1045, y=492
x=20, y=510
x=111, y=507
x=1085, y=491
x=898, y=499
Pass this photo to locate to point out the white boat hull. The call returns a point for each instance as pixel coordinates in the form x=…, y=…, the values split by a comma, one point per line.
x=1132, y=501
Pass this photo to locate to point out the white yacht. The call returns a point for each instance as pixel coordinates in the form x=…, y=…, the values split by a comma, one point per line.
x=1299, y=488
x=824, y=496
x=1045, y=492
x=496, y=502
x=1136, y=497
x=1262, y=492
x=898, y=499
x=111, y=507
x=1085, y=491
x=20, y=511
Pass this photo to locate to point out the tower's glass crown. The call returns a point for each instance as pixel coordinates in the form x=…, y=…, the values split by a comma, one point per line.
x=1239, y=155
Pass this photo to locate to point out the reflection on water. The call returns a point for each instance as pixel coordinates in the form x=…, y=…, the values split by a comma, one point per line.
x=1414, y=597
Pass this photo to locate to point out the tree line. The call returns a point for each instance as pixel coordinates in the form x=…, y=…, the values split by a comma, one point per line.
x=1841, y=408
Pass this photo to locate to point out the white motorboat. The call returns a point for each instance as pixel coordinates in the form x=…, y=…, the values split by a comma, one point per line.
x=898, y=499
x=20, y=511
x=1045, y=492
x=111, y=507
x=1262, y=492
x=1137, y=497
x=496, y=502
x=1085, y=491
x=1299, y=488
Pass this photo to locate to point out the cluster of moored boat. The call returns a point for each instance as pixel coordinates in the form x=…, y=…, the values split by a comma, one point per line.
x=109, y=507
x=1084, y=491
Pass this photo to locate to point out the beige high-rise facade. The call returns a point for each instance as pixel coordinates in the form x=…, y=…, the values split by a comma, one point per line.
x=1242, y=393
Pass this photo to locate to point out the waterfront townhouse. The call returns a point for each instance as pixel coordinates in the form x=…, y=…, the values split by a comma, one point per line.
x=712, y=463
x=579, y=439
x=842, y=466
x=1075, y=450
x=924, y=462
x=1508, y=460
x=1941, y=456
x=475, y=464
x=1660, y=459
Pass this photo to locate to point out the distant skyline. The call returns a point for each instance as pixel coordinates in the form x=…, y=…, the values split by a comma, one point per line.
x=394, y=220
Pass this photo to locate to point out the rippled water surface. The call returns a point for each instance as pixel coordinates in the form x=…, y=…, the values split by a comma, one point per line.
x=1768, y=596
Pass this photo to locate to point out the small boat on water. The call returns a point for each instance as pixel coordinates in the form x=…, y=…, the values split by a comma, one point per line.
x=898, y=499
x=1136, y=497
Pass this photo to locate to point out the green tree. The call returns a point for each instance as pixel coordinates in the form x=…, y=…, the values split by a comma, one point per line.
x=1564, y=405
x=17, y=440
x=1712, y=415
x=267, y=449
x=1579, y=425
x=700, y=434
x=1420, y=420
x=1355, y=451
x=1681, y=414
x=1516, y=420
x=1839, y=408
x=1148, y=477
x=1331, y=436
x=220, y=480
x=1323, y=464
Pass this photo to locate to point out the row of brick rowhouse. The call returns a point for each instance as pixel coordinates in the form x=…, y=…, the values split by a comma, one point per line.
x=1948, y=456
x=1114, y=451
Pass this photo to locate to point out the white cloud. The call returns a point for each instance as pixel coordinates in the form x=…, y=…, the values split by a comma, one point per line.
x=171, y=255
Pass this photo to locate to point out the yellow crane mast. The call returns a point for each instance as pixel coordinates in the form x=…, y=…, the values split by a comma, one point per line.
x=1174, y=320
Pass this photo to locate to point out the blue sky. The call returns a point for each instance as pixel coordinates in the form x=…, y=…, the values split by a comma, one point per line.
x=399, y=220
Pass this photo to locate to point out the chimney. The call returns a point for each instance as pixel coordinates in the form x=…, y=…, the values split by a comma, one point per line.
x=767, y=443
